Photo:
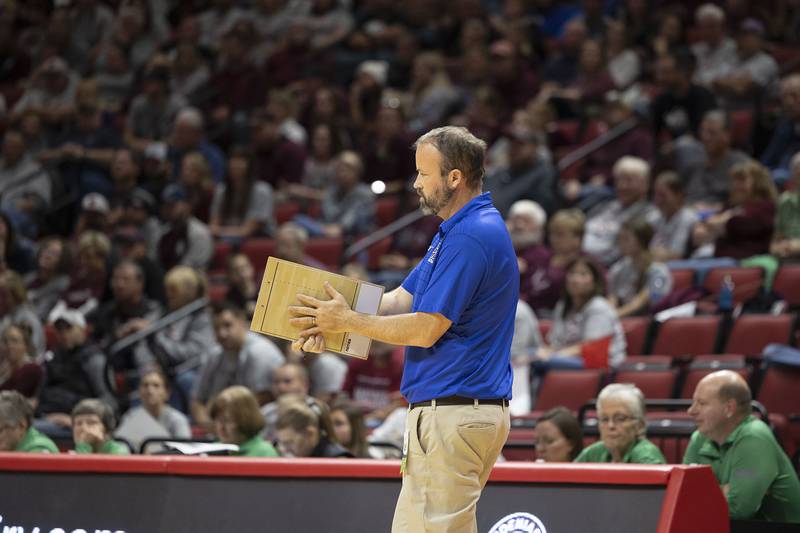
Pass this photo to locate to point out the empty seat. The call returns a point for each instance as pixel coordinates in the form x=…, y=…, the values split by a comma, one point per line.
x=217, y=292
x=787, y=284
x=747, y=281
x=327, y=250
x=385, y=210
x=219, y=260
x=652, y=383
x=570, y=388
x=682, y=278
x=636, y=329
x=779, y=394
x=646, y=362
x=376, y=251
x=702, y=365
x=258, y=251
x=687, y=336
x=751, y=333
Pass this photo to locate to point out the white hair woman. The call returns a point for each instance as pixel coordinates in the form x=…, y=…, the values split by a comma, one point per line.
x=621, y=417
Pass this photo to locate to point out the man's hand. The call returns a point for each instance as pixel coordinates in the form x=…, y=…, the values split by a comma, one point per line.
x=318, y=316
x=310, y=344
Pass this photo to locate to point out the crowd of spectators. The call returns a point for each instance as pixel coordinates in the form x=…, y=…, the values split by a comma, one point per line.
x=140, y=136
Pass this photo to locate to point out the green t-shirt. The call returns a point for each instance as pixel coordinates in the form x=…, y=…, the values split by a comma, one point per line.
x=256, y=447
x=109, y=447
x=787, y=222
x=762, y=483
x=642, y=452
x=37, y=442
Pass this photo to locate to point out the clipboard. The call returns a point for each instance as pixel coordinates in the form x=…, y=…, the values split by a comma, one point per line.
x=281, y=283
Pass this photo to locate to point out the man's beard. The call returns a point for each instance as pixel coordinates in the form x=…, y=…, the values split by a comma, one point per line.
x=523, y=239
x=434, y=204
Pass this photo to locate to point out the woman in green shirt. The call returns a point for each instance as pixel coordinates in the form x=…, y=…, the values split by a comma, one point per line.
x=92, y=427
x=620, y=415
x=237, y=420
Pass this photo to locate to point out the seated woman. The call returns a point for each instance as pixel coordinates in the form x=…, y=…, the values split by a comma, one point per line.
x=183, y=344
x=786, y=241
x=558, y=437
x=237, y=420
x=347, y=420
x=745, y=227
x=620, y=415
x=199, y=183
x=18, y=433
x=583, y=314
x=636, y=281
x=51, y=277
x=92, y=428
x=673, y=234
x=304, y=429
x=18, y=371
x=242, y=206
x=153, y=393
x=89, y=277
x=15, y=308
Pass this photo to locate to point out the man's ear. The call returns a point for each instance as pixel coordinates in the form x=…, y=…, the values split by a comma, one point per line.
x=454, y=178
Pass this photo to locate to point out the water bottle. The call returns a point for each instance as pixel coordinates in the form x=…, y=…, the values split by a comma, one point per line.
x=726, y=294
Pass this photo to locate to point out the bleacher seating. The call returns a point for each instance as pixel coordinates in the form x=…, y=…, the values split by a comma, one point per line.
x=682, y=337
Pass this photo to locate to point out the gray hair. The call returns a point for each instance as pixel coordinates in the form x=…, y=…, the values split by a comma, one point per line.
x=15, y=409
x=632, y=165
x=190, y=116
x=93, y=406
x=627, y=393
x=711, y=12
x=460, y=150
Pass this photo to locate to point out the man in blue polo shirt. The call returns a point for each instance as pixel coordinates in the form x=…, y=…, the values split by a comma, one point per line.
x=455, y=314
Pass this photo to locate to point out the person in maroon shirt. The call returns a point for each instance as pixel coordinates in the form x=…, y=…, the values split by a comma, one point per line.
x=745, y=228
x=374, y=383
x=542, y=272
x=277, y=160
x=17, y=369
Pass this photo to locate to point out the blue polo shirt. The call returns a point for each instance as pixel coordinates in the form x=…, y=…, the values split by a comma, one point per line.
x=470, y=276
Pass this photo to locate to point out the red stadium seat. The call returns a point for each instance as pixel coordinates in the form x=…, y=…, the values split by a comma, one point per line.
x=376, y=251
x=652, y=383
x=741, y=128
x=217, y=292
x=751, y=333
x=682, y=278
x=702, y=365
x=747, y=281
x=219, y=260
x=636, y=329
x=646, y=362
x=687, y=336
x=286, y=212
x=570, y=388
x=258, y=251
x=779, y=394
x=787, y=284
x=327, y=250
x=385, y=210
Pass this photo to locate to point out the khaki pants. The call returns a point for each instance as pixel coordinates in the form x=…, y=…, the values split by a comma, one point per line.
x=451, y=451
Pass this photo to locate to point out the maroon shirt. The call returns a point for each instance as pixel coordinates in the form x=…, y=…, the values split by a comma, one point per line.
x=284, y=162
x=540, y=285
x=26, y=380
x=748, y=233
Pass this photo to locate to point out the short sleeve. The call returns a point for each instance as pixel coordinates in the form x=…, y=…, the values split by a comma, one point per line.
x=458, y=271
x=260, y=208
x=410, y=283
x=263, y=359
x=599, y=322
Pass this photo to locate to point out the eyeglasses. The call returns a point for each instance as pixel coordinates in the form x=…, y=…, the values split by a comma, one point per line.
x=617, y=419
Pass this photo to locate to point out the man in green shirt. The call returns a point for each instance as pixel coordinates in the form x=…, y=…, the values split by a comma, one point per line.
x=753, y=471
x=16, y=431
x=92, y=425
x=620, y=416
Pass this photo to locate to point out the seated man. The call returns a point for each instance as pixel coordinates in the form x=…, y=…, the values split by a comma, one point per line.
x=620, y=416
x=753, y=471
x=290, y=379
x=17, y=433
x=92, y=425
x=75, y=371
x=246, y=358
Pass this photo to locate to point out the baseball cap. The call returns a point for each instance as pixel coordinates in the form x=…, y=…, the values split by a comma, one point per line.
x=141, y=199
x=61, y=312
x=94, y=201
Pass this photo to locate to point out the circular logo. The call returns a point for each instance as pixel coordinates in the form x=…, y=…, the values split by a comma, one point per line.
x=519, y=523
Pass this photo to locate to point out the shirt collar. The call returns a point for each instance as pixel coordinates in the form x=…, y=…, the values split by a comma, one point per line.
x=711, y=449
x=479, y=202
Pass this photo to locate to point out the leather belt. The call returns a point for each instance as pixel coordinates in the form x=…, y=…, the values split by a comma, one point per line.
x=458, y=400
